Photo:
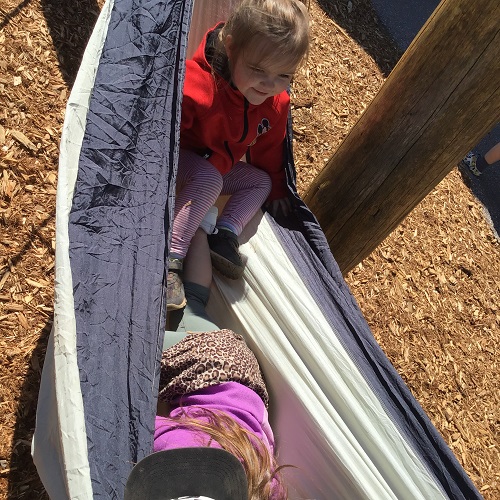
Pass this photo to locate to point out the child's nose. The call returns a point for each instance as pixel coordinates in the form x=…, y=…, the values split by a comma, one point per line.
x=267, y=82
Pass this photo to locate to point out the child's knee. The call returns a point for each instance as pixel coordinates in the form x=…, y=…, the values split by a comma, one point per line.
x=214, y=178
x=265, y=182
x=197, y=173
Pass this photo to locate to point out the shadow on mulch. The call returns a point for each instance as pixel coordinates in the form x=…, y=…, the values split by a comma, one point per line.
x=24, y=482
x=13, y=13
x=70, y=25
x=361, y=23
x=486, y=187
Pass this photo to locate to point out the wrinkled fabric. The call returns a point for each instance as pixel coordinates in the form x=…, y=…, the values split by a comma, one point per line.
x=118, y=229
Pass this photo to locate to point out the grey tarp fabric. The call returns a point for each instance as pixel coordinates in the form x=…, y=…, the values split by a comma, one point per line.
x=118, y=224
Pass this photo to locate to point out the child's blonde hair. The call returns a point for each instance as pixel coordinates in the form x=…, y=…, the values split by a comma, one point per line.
x=269, y=30
x=261, y=469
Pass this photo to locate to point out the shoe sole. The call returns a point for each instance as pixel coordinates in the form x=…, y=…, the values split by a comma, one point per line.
x=226, y=267
x=175, y=307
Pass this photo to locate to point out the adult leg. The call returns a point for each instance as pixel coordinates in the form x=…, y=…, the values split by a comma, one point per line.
x=493, y=155
x=197, y=281
x=198, y=267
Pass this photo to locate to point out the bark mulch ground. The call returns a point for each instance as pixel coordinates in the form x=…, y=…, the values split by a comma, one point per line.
x=430, y=292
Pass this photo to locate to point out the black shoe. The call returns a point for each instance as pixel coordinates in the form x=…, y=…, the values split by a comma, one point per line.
x=225, y=255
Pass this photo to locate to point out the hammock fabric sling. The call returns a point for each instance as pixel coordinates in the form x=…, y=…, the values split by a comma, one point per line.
x=341, y=413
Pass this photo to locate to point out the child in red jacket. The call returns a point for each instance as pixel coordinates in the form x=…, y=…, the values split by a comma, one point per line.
x=235, y=105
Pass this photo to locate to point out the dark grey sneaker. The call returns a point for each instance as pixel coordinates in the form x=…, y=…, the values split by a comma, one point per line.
x=225, y=255
x=176, y=298
x=471, y=162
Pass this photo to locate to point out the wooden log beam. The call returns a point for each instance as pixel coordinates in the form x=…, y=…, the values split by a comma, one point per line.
x=206, y=15
x=439, y=101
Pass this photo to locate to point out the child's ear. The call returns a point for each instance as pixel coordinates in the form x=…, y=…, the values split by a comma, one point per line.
x=228, y=45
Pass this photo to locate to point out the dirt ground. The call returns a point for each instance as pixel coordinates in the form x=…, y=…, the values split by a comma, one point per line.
x=430, y=292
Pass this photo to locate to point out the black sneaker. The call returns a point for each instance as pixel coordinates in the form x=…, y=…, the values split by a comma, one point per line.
x=176, y=298
x=225, y=255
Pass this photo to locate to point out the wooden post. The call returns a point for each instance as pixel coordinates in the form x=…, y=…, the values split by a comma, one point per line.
x=205, y=15
x=441, y=98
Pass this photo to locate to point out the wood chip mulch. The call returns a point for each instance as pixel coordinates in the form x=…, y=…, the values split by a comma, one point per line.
x=430, y=292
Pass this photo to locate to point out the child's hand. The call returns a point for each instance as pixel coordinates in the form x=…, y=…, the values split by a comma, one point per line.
x=283, y=205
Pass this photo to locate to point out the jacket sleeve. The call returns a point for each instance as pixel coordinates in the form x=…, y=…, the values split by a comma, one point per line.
x=268, y=151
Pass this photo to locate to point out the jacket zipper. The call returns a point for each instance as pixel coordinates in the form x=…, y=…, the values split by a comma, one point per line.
x=243, y=135
x=245, y=121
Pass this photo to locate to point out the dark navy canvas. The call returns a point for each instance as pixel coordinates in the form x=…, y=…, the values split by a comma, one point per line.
x=119, y=229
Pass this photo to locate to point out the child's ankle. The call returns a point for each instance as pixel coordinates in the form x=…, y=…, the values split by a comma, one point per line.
x=175, y=262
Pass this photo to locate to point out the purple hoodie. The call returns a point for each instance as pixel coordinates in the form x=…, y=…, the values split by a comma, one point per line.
x=236, y=400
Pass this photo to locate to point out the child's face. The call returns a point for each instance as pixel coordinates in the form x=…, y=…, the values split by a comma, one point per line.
x=259, y=81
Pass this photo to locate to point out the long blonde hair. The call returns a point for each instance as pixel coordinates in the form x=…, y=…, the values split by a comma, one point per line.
x=275, y=30
x=262, y=471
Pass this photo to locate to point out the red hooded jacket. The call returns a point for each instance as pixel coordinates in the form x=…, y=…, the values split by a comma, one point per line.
x=219, y=124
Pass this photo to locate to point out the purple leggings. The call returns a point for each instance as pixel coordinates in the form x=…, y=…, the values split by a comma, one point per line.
x=199, y=184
